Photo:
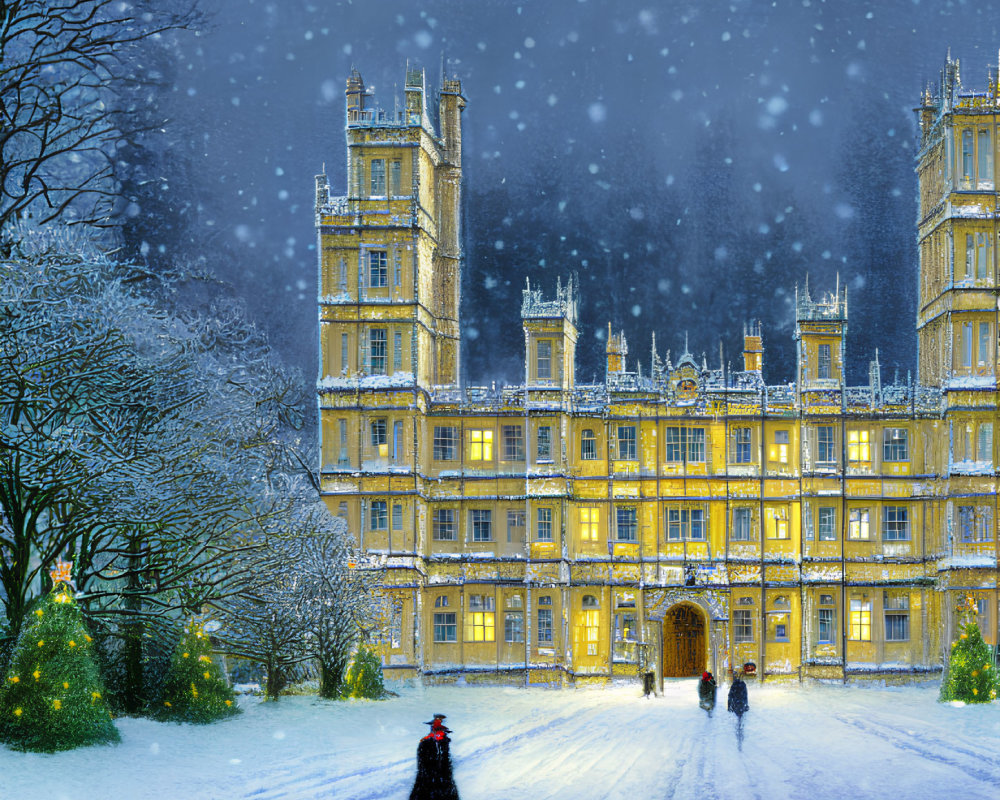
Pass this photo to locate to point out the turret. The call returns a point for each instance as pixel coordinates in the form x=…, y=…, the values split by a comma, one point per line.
x=820, y=330
x=616, y=351
x=550, y=336
x=753, y=348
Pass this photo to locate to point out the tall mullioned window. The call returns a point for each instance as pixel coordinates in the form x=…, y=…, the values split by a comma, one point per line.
x=896, y=445
x=626, y=443
x=741, y=445
x=378, y=269
x=626, y=526
x=544, y=368
x=377, y=346
x=588, y=445
x=823, y=361
x=377, y=172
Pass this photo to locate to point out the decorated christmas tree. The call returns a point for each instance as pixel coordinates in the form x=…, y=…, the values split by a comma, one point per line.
x=972, y=674
x=195, y=689
x=52, y=696
x=364, y=678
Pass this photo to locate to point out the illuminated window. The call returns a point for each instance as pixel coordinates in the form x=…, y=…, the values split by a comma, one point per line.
x=858, y=524
x=779, y=452
x=480, y=445
x=858, y=447
x=591, y=624
x=590, y=523
x=861, y=621
x=479, y=619
x=443, y=525
x=588, y=445
x=777, y=522
x=895, y=445
x=896, y=609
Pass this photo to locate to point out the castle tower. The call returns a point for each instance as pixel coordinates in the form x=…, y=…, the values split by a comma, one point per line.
x=820, y=330
x=390, y=249
x=550, y=336
x=957, y=234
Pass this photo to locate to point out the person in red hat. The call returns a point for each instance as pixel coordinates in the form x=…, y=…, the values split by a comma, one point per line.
x=706, y=692
x=434, y=779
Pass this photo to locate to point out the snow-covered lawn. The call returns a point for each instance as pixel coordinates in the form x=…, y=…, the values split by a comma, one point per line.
x=810, y=743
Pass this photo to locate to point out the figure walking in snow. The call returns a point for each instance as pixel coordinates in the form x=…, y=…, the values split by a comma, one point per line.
x=434, y=780
x=706, y=692
x=739, y=705
x=738, y=702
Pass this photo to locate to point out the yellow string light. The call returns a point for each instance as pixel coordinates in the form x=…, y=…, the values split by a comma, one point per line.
x=85, y=636
x=186, y=655
x=206, y=675
x=57, y=704
x=18, y=712
x=72, y=643
x=167, y=703
x=229, y=702
x=206, y=659
x=38, y=612
x=14, y=679
x=41, y=643
x=37, y=674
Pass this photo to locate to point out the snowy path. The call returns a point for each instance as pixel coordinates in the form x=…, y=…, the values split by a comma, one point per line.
x=799, y=744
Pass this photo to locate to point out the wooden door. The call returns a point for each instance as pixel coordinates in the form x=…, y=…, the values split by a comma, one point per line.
x=683, y=642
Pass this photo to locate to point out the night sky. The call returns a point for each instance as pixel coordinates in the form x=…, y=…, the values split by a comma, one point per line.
x=691, y=162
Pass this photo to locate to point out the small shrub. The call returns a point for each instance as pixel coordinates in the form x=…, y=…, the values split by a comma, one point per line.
x=195, y=689
x=364, y=678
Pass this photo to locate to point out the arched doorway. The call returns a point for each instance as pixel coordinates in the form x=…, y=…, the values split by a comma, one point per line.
x=683, y=641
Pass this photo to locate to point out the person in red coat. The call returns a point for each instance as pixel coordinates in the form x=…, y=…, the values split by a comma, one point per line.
x=434, y=779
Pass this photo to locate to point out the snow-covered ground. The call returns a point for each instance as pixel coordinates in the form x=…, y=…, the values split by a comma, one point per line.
x=809, y=743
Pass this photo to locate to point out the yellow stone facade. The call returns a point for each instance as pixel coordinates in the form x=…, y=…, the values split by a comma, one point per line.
x=673, y=520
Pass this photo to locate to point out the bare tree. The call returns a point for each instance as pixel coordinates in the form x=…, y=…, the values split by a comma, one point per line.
x=132, y=439
x=60, y=63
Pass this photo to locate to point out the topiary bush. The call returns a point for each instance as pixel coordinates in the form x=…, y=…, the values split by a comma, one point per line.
x=195, y=690
x=364, y=678
x=52, y=696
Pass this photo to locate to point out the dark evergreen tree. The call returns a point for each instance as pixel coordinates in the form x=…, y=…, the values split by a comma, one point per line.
x=195, y=689
x=52, y=697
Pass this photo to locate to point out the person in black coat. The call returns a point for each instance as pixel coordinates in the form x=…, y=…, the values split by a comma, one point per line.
x=434, y=780
x=706, y=692
x=738, y=702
